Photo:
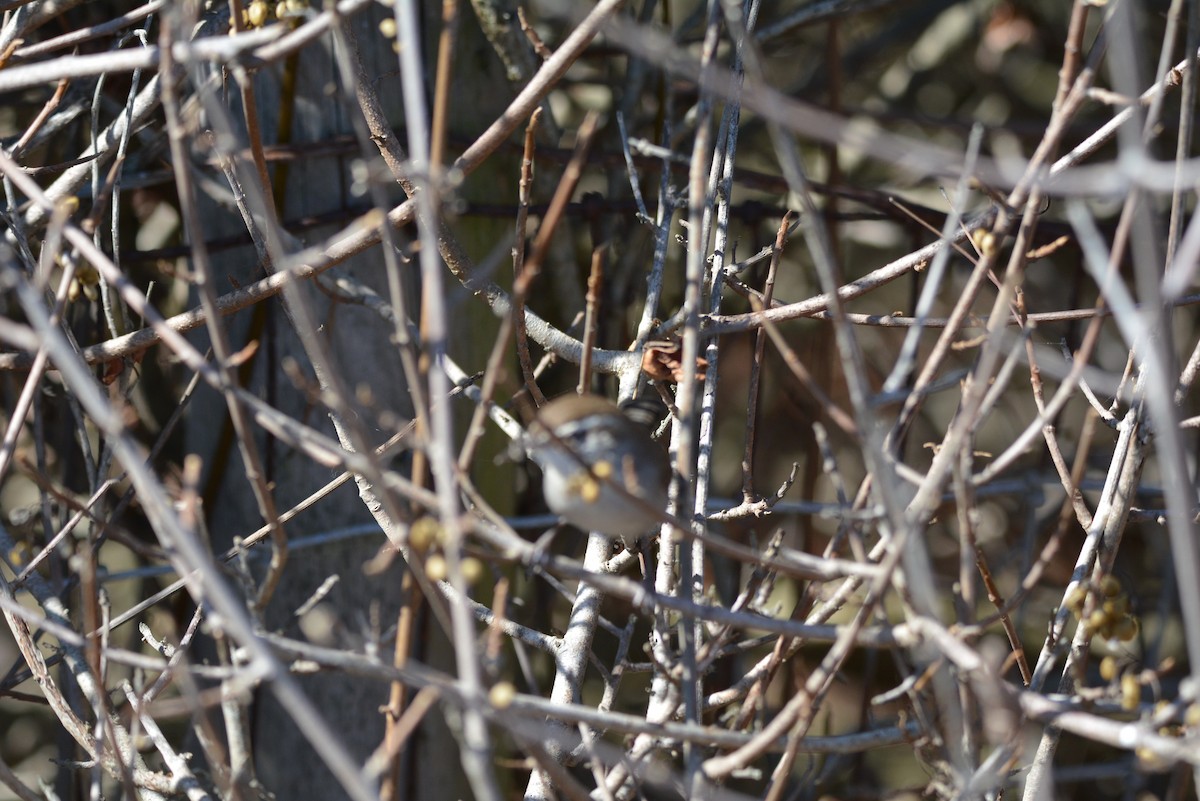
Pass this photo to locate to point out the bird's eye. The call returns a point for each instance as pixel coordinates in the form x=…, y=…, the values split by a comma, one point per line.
x=577, y=438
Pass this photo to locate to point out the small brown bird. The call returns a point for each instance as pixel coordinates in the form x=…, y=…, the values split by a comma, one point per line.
x=603, y=470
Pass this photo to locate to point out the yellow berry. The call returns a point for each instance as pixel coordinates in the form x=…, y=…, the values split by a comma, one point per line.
x=985, y=242
x=1131, y=692
x=1075, y=598
x=1115, y=607
x=1126, y=628
x=257, y=13
x=435, y=567
x=1149, y=759
x=19, y=554
x=586, y=487
x=502, y=694
x=472, y=570
x=424, y=533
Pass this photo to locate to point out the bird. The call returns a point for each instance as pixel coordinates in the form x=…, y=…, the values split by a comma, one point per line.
x=603, y=471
